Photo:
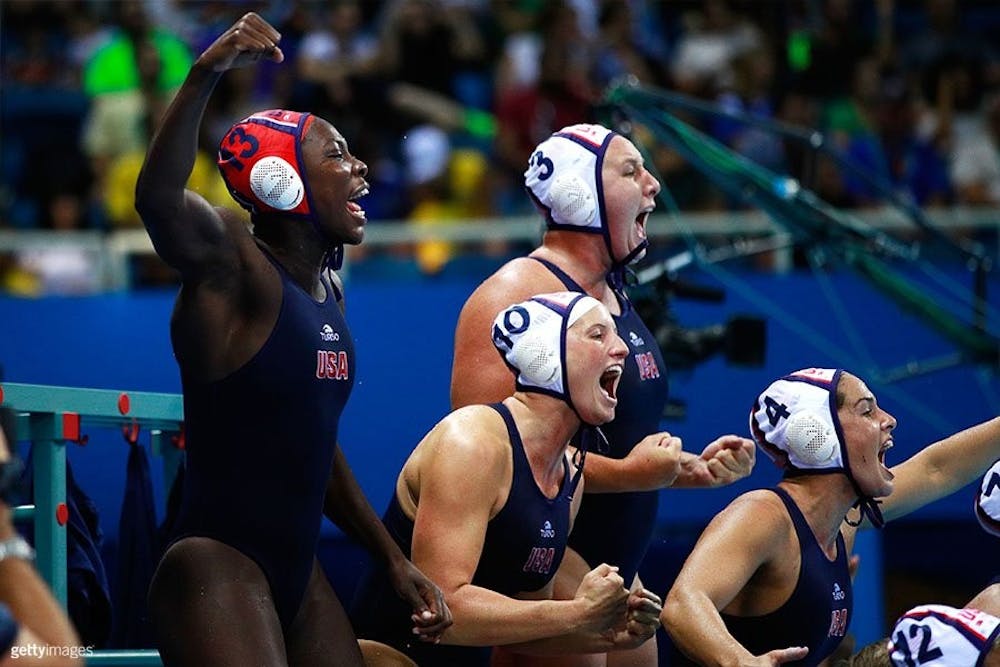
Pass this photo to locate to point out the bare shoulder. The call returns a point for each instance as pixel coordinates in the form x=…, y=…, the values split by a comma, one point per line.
x=515, y=281
x=471, y=433
x=758, y=512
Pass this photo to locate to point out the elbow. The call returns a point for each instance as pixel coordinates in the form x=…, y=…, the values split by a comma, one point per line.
x=675, y=610
x=668, y=617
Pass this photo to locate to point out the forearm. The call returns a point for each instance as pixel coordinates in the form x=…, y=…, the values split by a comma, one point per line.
x=603, y=474
x=346, y=505
x=172, y=152
x=32, y=604
x=944, y=467
x=692, y=473
x=571, y=643
x=696, y=628
x=486, y=618
x=960, y=458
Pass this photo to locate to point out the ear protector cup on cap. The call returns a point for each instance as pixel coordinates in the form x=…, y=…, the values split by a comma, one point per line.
x=563, y=177
x=811, y=438
x=531, y=338
x=572, y=200
x=276, y=183
x=260, y=161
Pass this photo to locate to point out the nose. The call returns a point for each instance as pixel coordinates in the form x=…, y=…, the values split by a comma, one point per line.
x=654, y=185
x=619, y=350
x=888, y=421
x=361, y=168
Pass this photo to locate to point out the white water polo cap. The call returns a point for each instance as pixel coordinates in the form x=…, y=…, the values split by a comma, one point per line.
x=935, y=635
x=564, y=178
x=988, y=501
x=794, y=421
x=531, y=337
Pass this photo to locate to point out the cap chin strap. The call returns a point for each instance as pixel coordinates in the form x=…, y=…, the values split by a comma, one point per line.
x=869, y=508
x=334, y=257
x=587, y=432
x=866, y=505
x=620, y=274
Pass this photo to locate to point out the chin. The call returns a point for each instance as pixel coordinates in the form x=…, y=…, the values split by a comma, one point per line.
x=885, y=489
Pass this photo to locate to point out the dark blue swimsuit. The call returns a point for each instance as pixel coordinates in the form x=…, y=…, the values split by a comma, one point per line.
x=818, y=612
x=260, y=444
x=642, y=395
x=522, y=549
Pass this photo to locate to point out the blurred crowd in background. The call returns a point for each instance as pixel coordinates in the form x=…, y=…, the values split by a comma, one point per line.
x=444, y=99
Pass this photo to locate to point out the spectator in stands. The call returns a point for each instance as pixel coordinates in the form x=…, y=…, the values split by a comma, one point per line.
x=713, y=38
x=130, y=79
x=531, y=106
x=897, y=154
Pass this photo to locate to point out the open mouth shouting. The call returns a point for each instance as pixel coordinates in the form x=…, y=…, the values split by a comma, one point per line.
x=353, y=207
x=609, y=382
x=886, y=446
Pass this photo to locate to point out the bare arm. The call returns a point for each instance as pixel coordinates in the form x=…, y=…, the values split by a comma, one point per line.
x=41, y=619
x=737, y=543
x=641, y=622
x=725, y=460
x=479, y=375
x=987, y=600
x=346, y=505
x=464, y=479
x=943, y=468
x=187, y=232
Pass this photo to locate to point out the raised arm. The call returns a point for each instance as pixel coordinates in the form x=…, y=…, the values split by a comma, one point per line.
x=187, y=232
x=943, y=468
x=738, y=543
x=464, y=480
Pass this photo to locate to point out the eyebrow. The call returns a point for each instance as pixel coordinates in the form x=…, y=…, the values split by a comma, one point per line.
x=866, y=399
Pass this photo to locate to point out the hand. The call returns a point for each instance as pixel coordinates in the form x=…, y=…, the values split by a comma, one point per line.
x=431, y=616
x=654, y=463
x=604, y=597
x=725, y=460
x=782, y=655
x=641, y=620
x=246, y=42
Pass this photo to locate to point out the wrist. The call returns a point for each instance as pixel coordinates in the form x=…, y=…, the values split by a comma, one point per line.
x=16, y=547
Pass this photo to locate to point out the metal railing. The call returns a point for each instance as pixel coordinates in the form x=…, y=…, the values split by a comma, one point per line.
x=112, y=251
x=49, y=417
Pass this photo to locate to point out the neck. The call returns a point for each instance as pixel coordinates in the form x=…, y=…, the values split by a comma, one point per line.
x=583, y=256
x=824, y=501
x=546, y=425
x=297, y=246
